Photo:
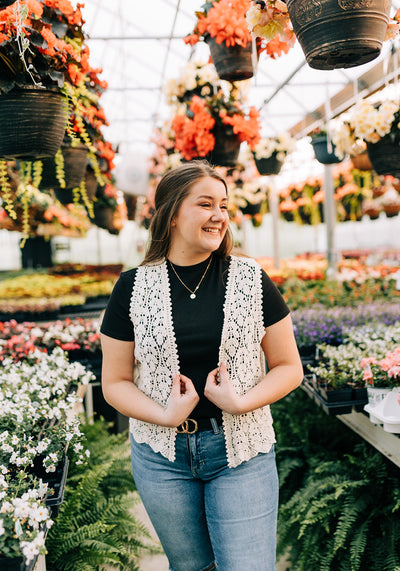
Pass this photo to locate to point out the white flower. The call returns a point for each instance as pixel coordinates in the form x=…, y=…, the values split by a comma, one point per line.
x=29, y=550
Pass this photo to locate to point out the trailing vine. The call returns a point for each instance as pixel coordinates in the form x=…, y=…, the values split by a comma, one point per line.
x=5, y=188
x=73, y=102
x=25, y=218
x=88, y=203
x=37, y=173
x=59, y=167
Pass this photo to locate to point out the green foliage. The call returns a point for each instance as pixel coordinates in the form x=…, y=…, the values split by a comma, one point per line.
x=340, y=507
x=95, y=525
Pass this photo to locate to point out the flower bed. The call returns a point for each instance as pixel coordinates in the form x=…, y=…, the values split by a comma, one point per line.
x=332, y=326
x=46, y=296
x=79, y=337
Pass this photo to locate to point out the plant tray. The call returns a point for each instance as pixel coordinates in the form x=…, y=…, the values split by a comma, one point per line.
x=57, y=483
x=332, y=408
x=17, y=564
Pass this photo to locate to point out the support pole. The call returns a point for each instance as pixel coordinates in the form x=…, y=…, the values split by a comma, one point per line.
x=330, y=221
x=274, y=207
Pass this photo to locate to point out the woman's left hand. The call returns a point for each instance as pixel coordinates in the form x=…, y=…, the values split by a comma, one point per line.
x=220, y=391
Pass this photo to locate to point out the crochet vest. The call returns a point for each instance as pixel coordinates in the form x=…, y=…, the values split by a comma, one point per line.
x=157, y=357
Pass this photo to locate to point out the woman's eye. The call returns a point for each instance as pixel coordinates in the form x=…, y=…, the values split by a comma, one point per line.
x=205, y=204
x=224, y=207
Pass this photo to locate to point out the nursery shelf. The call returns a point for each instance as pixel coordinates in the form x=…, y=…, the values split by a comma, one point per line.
x=388, y=444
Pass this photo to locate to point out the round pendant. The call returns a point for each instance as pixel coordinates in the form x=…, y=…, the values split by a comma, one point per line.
x=193, y=296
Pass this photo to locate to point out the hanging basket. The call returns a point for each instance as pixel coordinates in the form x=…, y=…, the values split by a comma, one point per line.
x=233, y=63
x=104, y=218
x=323, y=156
x=91, y=183
x=225, y=154
x=75, y=161
x=32, y=123
x=251, y=209
x=268, y=166
x=385, y=157
x=226, y=149
x=361, y=162
x=339, y=33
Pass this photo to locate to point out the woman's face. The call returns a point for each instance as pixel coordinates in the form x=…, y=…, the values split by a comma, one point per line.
x=201, y=221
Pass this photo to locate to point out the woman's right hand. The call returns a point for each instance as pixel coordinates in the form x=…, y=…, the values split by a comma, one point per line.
x=181, y=402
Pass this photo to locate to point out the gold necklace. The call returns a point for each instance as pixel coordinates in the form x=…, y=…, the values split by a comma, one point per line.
x=193, y=293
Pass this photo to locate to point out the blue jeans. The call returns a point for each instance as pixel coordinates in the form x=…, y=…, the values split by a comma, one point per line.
x=206, y=515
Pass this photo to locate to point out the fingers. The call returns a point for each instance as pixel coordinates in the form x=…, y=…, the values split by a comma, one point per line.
x=176, y=385
x=182, y=385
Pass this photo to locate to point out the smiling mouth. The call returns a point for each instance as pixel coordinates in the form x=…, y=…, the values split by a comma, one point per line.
x=214, y=231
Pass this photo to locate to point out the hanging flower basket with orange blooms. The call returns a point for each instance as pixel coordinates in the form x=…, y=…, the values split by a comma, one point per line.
x=210, y=122
x=41, y=46
x=222, y=24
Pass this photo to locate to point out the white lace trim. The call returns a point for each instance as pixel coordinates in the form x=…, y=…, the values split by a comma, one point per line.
x=157, y=356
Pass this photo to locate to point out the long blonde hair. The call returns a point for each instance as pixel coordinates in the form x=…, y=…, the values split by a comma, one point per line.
x=174, y=186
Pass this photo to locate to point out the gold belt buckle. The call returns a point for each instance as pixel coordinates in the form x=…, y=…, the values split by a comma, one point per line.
x=184, y=427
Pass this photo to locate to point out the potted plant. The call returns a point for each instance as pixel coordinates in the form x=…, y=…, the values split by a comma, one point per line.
x=269, y=154
x=340, y=35
x=222, y=24
x=214, y=127
x=196, y=78
x=381, y=375
x=109, y=212
x=323, y=146
x=376, y=124
x=40, y=48
x=37, y=426
x=346, y=143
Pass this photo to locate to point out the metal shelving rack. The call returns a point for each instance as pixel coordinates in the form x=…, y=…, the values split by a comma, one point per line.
x=388, y=444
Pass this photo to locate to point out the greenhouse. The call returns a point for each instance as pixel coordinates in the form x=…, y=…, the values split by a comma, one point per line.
x=200, y=285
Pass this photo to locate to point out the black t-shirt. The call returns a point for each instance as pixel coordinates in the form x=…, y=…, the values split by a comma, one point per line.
x=197, y=322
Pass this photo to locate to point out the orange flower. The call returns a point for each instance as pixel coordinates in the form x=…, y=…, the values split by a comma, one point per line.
x=246, y=128
x=319, y=196
x=193, y=136
x=287, y=206
x=225, y=21
x=275, y=48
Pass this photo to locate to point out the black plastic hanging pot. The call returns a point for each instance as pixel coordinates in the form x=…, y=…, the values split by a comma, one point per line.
x=324, y=155
x=233, y=63
x=339, y=33
x=268, y=166
x=385, y=157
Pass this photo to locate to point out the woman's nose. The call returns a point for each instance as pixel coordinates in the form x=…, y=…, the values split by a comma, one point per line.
x=217, y=214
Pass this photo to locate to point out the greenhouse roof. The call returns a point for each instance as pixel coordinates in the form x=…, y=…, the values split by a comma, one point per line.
x=140, y=46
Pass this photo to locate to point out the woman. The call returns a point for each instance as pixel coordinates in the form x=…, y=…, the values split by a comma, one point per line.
x=197, y=322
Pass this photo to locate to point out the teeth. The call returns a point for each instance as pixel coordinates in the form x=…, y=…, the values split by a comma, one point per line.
x=212, y=230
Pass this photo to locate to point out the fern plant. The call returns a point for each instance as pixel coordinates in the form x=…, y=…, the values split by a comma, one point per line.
x=340, y=500
x=95, y=526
